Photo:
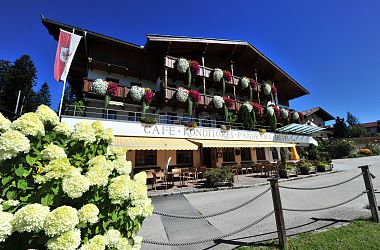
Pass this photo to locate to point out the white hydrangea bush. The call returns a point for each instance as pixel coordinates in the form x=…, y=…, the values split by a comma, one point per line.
x=63, y=189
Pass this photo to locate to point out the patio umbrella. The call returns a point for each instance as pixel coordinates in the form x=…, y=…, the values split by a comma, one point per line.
x=295, y=156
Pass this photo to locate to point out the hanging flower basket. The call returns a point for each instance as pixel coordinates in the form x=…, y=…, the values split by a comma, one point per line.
x=227, y=75
x=100, y=86
x=295, y=116
x=194, y=67
x=112, y=90
x=136, y=93
x=284, y=113
x=277, y=112
x=253, y=83
x=267, y=89
x=195, y=95
x=271, y=118
x=229, y=102
x=182, y=94
x=274, y=91
x=217, y=75
x=182, y=65
x=244, y=82
x=302, y=116
x=147, y=98
x=218, y=102
x=249, y=106
x=257, y=108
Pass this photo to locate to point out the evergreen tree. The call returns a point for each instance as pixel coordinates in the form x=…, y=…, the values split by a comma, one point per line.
x=43, y=96
x=340, y=128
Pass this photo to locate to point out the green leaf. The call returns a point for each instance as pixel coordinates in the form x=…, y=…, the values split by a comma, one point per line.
x=25, y=198
x=22, y=184
x=11, y=195
x=30, y=160
x=6, y=180
x=114, y=217
x=20, y=171
x=47, y=200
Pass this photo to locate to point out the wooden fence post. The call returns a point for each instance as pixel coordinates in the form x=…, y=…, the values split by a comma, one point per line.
x=278, y=212
x=370, y=193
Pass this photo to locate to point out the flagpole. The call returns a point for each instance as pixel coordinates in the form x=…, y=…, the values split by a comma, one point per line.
x=60, y=104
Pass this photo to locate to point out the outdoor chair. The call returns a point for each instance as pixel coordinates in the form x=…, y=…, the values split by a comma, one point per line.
x=189, y=174
x=245, y=168
x=160, y=176
x=177, y=173
x=235, y=171
x=150, y=177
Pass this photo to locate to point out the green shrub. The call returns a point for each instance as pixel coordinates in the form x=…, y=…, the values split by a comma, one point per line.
x=148, y=120
x=218, y=176
x=340, y=148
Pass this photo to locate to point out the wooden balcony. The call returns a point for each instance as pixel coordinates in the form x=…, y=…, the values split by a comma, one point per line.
x=121, y=94
x=204, y=72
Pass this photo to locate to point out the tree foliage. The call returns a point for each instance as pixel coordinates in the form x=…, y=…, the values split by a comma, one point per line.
x=340, y=128
x=43, y=96
x=247, y=118
x=352, y=120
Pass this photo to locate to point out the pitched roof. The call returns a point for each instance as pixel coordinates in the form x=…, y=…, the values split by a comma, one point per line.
x=368, y=125
x=320, y=112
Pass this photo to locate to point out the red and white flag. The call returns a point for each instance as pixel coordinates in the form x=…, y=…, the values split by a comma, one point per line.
x=67, y=45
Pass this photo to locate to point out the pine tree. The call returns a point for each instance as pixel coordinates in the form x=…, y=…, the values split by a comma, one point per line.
x=340, y=128
x=43, y=96
x=352, y=120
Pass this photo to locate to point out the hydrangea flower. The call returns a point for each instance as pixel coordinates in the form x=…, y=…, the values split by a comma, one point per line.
x=136, y=93
x=267, y=89
x=182, y=94
x=98, y=242
x=124, y=244
x=69, y=240
x=83, y=131
x=244, y=82
x=11, y=203
x=46, y=115
x=145, y=204
x=117, y=151
x=5, y=124
x=56, y=169
x=60, y=220
x=13, y=142
x=182, y=65
x=119, y=189
x=140, y=177
x=98, y=175
x=112, y=238
x=137, y=240
x=218, y=102
x=100, y=86
x=52, y=152
x=122, y=166
x=29, y=124
x=101, y=160
x=248, y=106
x=217, y=75
x=108, y=135
x=30, y=218
x=75, y=185
x=88, y=214
x=63, y=129
x=6, y=228
x=138, y=190
x=101, y=133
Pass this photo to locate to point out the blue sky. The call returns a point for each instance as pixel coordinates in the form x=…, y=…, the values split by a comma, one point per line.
x=331, y=47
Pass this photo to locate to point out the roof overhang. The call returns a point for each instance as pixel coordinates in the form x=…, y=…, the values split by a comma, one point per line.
x=302, y=129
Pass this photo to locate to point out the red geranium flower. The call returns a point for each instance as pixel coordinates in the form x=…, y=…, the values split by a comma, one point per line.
x=195, y=95
x=253, y=83
x=274, y=90
x=148, y=96
x=277, y=112
x=112, y=89
x=257, y=107
x=194, y=67
x=228, y=101
x=302, y=116
x=227, y=75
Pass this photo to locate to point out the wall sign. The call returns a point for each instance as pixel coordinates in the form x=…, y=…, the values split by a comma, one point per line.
x=126, y=128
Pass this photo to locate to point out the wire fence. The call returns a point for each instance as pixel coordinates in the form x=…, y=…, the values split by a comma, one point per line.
x=278, y=209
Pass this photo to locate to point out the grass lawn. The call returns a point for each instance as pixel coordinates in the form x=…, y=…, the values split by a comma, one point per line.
x=360, y=234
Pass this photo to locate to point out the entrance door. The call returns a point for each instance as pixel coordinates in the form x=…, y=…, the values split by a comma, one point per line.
x=206, y=159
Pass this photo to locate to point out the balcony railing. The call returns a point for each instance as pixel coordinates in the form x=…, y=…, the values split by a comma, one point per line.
x=122, y=92
x=132, y=116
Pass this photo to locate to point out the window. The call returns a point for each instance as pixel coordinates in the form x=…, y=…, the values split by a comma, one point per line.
x=146, y=157
x=184, y=156
x=228, y=154
x=260, y=154
x=274, y=154
x=245, y=154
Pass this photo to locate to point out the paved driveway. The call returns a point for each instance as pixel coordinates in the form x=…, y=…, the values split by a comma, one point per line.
x=183, y=230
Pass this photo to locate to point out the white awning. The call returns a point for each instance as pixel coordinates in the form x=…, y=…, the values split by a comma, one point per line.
x=299, y=129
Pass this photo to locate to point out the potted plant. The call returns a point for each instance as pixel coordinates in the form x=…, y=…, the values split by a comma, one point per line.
x=288, y=171
x=219, y=177
x=307, y=168
x=324, y=166
x=148, y=120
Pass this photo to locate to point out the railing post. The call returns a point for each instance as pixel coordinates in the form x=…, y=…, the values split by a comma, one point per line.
x=370, y=193
x=281, y=231
x=75, y=109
